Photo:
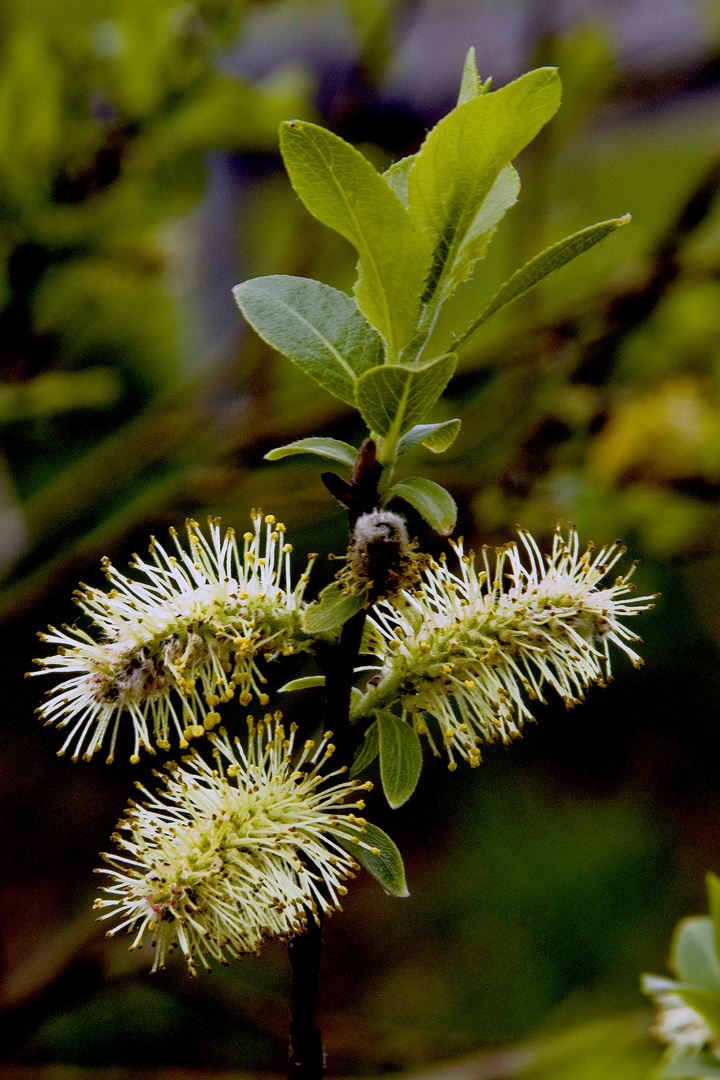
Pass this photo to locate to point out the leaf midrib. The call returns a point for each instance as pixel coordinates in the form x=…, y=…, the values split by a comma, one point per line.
x=366, y=250
x=321, y=337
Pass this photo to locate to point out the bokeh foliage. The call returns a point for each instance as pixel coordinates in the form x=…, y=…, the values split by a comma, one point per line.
x=136, y=158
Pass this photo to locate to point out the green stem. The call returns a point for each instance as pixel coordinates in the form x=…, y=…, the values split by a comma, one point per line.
x=379, y=697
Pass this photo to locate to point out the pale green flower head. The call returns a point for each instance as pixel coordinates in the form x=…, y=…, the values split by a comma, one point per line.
x=471, y=649
x=175, y=640
x=231, y=854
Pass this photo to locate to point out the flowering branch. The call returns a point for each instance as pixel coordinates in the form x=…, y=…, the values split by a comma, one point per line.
x=259, y=841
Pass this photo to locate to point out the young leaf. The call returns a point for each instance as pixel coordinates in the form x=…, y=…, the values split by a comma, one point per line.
x=319, y=328
x=326, y=448
x=437, y=437
x=435, y=504
x=383, y=860
x=344, y=191
x=471, y=85
x=694, y=956
x=460, y=161
x=397, y=177
x=394, y=397
x=367, y=752
x=307, y=683
x=541, y=265
x=400, y=758
x=443, y=437
x=332, y=610
x=473, y=247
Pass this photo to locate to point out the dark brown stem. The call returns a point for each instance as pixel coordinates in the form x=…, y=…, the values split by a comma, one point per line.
x=339, y=667
x=307, y=1060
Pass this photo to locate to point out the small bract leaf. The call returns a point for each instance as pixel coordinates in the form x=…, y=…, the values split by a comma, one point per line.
x=394, y=397
x=442, y=439
x=366, y=753
x=343, y=190
x=541, y=265
x=437, y=437
x=320, y=329
x=694, y=954
x=322, y=447
x=332, y=610
x=383, y=861
x=431, y=500
x=302, y=684
x=400, y=757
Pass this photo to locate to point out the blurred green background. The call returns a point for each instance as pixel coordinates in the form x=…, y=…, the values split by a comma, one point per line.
x=139, y=180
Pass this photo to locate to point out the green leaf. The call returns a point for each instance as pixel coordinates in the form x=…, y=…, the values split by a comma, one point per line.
x=307, y=683
x=397, y=177
x=694, y=955
x=690, y=1067
x=705, y=1002
x=441, y=440
x=435, y=504
x=400, y=757
x=327, y=448
x=344, y=191
x=383, y=860
x=332, y=610
x=319, y=328
x=437, y=437
x=502, y=195
x=713, y=888
x=366, y=753
x=541, y=265
x=471, y=85
x=394, y=397
x=461, y=160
